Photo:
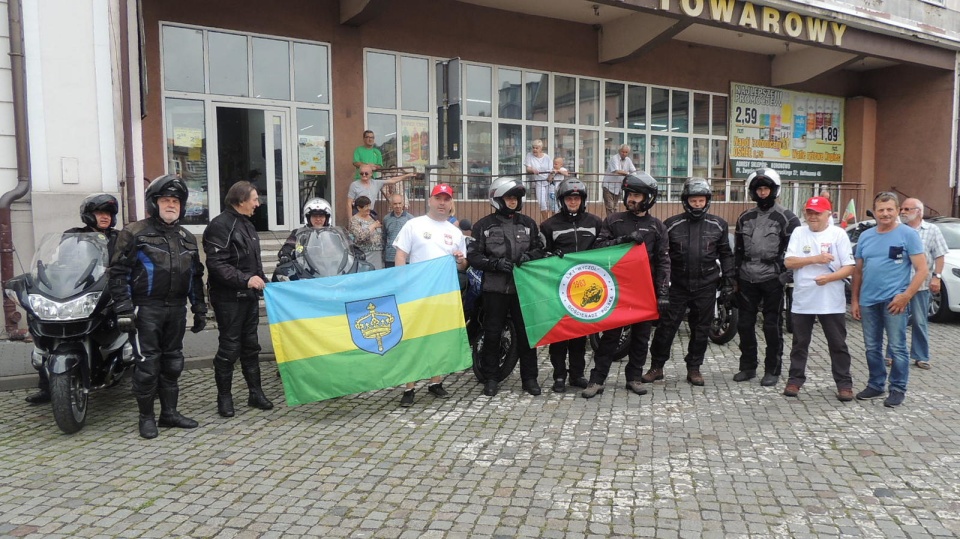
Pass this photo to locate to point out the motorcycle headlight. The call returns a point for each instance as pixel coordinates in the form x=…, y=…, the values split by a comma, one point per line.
x=47, y=309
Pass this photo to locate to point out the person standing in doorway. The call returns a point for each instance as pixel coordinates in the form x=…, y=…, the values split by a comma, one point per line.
x=539, y=166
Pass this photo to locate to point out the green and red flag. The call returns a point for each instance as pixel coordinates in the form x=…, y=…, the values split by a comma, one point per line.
x=586, y=292
x=849, y=215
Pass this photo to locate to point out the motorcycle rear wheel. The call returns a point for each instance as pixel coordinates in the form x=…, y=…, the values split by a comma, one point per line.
x=623, y=345
x=69, y=400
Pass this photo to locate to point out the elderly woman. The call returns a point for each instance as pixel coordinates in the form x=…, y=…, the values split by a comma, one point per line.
x=367, y=233
x=538, y=165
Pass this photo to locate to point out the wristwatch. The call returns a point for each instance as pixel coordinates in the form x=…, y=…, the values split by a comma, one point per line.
x=937, y=275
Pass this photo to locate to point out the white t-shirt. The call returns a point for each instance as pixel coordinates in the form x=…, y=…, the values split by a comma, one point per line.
x=422, y=238
x=808, y=297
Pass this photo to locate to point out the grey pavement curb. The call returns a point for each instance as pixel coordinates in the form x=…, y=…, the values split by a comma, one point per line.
x=26, y=381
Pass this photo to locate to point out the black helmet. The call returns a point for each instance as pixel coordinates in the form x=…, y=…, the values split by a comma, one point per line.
x=572, y=186
x=695, y=187
x=642, y=183
x=166, y=186
x=764, y=177
x=506, y=186
x=99, y=202
x=316, y=206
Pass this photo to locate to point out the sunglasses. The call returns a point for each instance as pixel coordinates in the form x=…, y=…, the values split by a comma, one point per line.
x=364, y=173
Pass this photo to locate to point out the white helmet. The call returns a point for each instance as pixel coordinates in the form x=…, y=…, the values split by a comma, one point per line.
x=764, y=177
x=316, y=206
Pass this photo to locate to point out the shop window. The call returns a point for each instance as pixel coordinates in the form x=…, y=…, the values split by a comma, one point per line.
x=183, y=59
x=638, y=147
x=565, y=100
x=637, y=107
x=313, y=148
x=719, y=117
x=510, y=149
x=589, y=102
x=310, y=73
x=479, y=94
x=381, y=80
x=537, y=88
x=701, y=114
x=509, y=94
x=385, y=128
x=613, y=104
x=228, y=64
x=680, y=111
x=565, y=146
x=271, y=68
x=589, y=151
x=479, y=158
x=537, y=132
x=659, y=157
x=414, y=84
x=187, y=154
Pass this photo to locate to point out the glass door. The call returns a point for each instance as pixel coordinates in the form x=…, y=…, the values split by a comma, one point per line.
x=252, y=144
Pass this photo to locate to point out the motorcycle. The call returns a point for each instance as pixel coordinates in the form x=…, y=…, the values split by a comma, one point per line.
x=69, y=313
x=322, y=252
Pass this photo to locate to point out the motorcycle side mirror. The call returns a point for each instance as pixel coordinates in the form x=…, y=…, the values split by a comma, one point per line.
x=17, y=285
x=870, y=214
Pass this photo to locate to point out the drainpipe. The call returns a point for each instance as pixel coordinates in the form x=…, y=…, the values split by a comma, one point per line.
x=129, y=174
x=21, y=131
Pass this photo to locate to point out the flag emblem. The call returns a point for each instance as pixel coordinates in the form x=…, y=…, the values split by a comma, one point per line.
x=587, y=291
x=375, y=324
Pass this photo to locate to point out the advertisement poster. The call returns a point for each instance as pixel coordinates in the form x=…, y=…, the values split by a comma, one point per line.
x=415, y=141
x=797, y=134
x=313, y=155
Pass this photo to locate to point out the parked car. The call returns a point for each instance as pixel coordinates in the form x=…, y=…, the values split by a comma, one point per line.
x=947, y=302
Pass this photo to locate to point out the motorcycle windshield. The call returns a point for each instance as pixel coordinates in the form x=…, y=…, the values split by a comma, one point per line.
x=69, y=263
x=326, y=251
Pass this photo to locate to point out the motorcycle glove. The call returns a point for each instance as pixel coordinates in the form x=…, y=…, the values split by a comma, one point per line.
x=504, y=265
x=663, y=305
x=127, y=322
x=558, y=253
x=199, y=322
x=636, y=236
x=524, y=258
x=283, y=259
x=726, y=287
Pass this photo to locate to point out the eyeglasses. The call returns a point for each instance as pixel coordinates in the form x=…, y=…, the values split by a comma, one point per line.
x=908, y=209
x=364, y=173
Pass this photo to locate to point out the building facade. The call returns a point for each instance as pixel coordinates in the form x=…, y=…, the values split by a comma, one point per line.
x=279, y=94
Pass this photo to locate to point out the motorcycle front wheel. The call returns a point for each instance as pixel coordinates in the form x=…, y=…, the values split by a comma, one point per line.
x=69, y=400
x=724, y=325
x=507, y=357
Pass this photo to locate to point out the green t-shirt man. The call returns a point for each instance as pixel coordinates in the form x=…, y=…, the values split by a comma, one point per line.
x=366, y=154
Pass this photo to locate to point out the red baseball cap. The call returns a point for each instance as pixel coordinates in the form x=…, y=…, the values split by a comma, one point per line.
x=442, y=189
x=818, y=204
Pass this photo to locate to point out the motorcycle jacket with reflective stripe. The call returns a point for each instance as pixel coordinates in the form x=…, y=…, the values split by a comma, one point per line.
x=695, y=247
x=621, y=224
x=497, y=236
x=761, y=240
x=156, y=264
x=232, y=246
x=570, y=233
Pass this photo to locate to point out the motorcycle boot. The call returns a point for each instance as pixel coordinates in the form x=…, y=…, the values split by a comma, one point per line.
x=169, y=416
x=148, y=425
x=251, y=373
x=223, y=375
x=42, y=396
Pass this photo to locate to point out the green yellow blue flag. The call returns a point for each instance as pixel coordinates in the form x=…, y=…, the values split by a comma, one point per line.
x=337, y=336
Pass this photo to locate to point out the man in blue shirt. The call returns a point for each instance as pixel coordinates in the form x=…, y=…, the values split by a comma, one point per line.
x=882, y=290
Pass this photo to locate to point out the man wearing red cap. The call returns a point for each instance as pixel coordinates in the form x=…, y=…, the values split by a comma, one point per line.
x=425, y=238
x=821, y=258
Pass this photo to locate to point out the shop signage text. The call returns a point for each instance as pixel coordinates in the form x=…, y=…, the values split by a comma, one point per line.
x=763, y=18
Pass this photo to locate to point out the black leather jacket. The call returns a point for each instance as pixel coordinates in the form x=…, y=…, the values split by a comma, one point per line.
x=232, y=246
x=570, y=234
x=156, y=264
x=695, y=247
x=499, y=237
x=619, y=225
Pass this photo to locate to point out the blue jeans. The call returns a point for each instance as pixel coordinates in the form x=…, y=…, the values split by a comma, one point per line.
x=919, y=339
x=876, y=320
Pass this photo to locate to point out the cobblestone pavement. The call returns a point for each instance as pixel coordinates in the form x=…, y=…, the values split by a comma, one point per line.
x=724, y=460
